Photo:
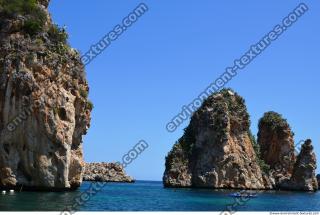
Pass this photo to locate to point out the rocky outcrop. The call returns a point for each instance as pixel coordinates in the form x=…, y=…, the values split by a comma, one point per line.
x=106, y=172
x=216, y=150
x=44, y=109
x=275, y=139
x=303, y=177
x=318, y=179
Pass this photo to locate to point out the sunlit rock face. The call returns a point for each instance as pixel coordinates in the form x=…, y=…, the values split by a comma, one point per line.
x=44, y=108
x=216, y=150
x=303, y=177
x=276, y=142
x=277, y=148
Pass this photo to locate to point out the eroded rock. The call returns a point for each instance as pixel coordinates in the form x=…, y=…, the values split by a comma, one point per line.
x=106, y=172
x=44, y=107
x=276, y=142
x=303, y=177
x=216, y=150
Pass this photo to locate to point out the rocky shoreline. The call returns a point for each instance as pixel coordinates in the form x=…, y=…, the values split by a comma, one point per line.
x=219, y=151
x=106, y=172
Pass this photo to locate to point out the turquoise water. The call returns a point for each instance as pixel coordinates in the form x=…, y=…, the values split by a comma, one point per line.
x=151, y=196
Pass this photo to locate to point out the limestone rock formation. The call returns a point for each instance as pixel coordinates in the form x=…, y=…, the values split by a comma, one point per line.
x=303, y=177
x=216, y=150
x=318, y=179
x=275, y=139
x=106, y=172
x=44, y=109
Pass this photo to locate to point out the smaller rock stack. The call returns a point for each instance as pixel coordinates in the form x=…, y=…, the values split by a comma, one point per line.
x=276, y=145
x=106, y=172
x=318, y=179
x=303, y=177
x=289, y=171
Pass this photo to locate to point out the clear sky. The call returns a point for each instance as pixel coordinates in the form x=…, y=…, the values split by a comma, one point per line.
x=173, y=52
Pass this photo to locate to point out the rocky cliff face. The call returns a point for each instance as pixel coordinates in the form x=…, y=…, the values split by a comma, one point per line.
x=303, y=177
x=44, y=110
x=216, y=150
x=318, y=179
x=275, y=139
x=106, y=172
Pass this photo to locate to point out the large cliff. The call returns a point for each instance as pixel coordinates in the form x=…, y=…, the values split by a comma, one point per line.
x=218, y=150
x=44, y=109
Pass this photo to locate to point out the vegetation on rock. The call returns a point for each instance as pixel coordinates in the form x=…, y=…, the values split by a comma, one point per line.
x=90, y=105
x=58, y=34
x=207, y=154
x=263, y=166
x=35, y=19
x=23, y=7
x=273, y=120
x=46, y=81
x=35, y=16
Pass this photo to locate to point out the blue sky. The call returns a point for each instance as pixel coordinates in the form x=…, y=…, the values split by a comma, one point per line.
x=173, y=52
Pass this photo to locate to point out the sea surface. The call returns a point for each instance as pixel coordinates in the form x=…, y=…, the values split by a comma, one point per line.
x=151, y=196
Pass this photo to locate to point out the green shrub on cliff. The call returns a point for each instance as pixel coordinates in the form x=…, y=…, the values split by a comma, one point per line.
x=84, y=93
x=188, y=140
x=58, y=34
x=90, y=105
x=263, y=166
x=22, y=7
x=32, y=27
x=35, y=16
x=273, y=120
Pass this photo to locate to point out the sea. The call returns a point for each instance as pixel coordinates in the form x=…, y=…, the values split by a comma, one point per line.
x=151, y=196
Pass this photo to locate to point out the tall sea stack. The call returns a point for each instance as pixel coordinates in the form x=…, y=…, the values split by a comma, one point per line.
x=276, y=142
x=44, y=109
x=216, y=150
